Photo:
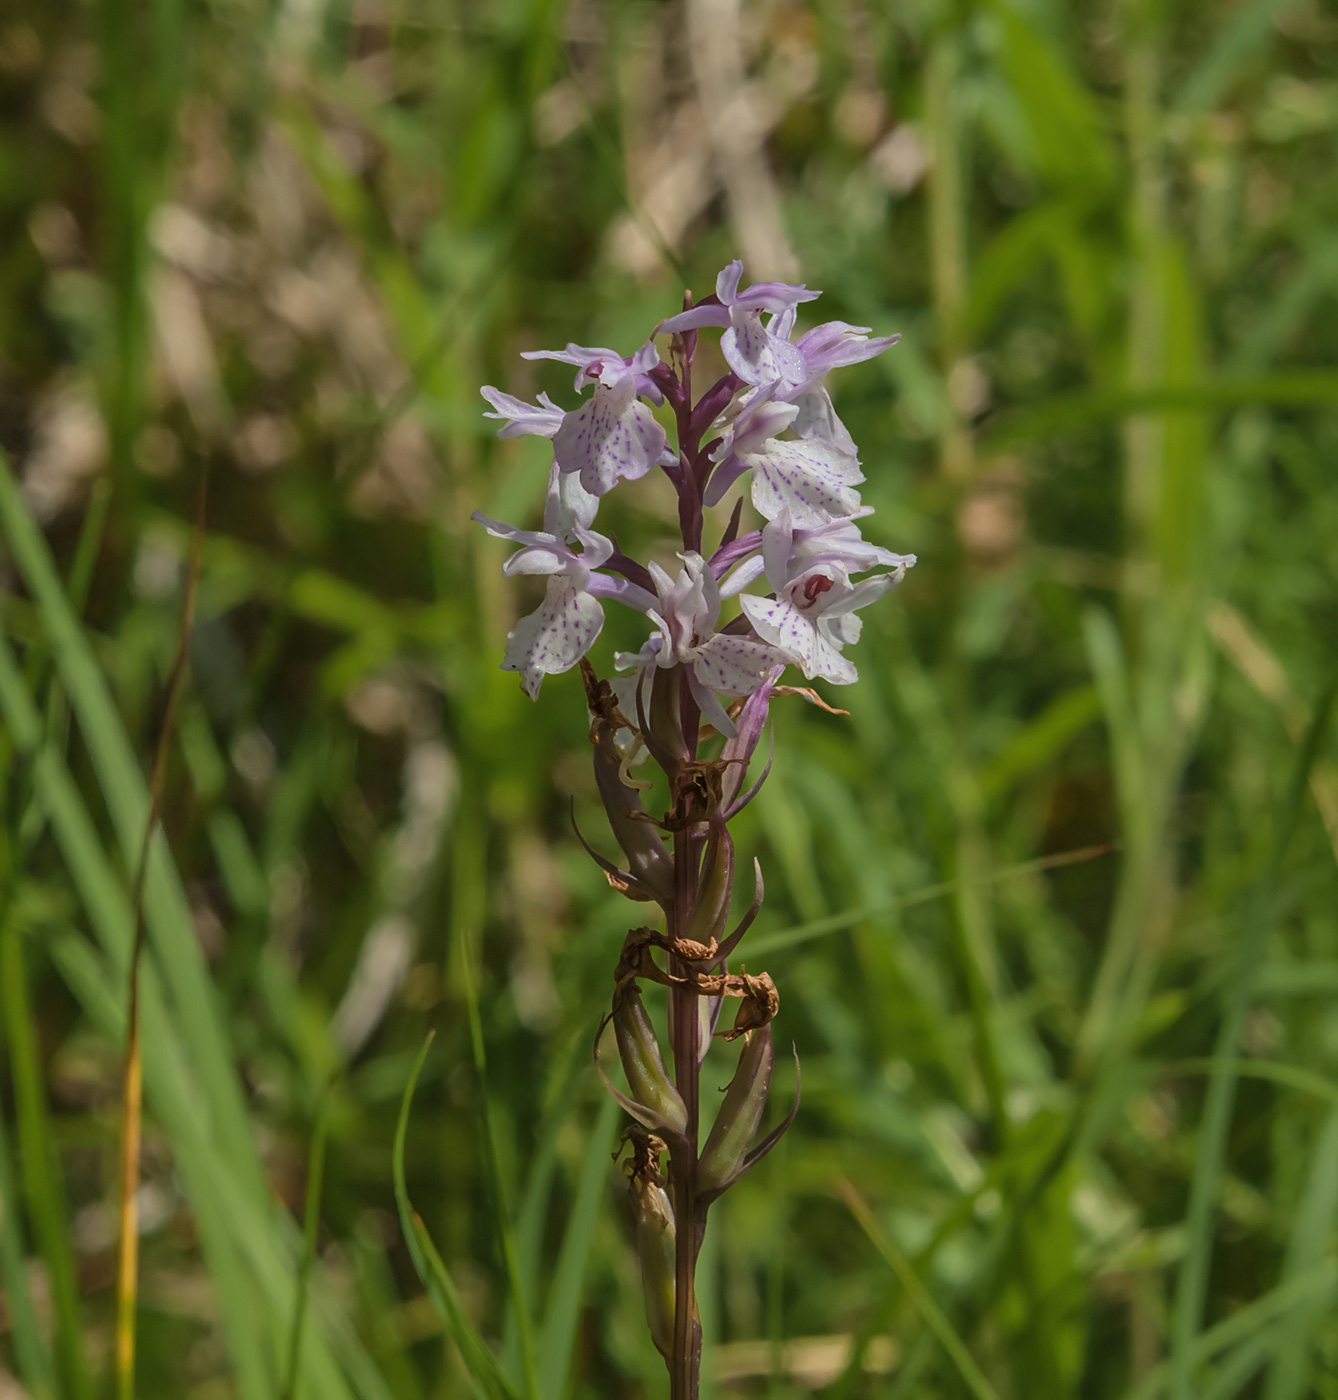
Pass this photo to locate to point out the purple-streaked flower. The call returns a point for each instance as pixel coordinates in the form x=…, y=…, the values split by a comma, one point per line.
x=716, y=663
x=812, y=478
x=613, y=434
x=564, y=626
x=753, y=351
x=812, y=615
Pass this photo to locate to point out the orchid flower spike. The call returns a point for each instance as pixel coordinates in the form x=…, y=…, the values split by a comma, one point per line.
x=800, y=576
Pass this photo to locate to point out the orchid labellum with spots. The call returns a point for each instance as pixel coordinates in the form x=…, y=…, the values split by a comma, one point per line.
x=695, y=697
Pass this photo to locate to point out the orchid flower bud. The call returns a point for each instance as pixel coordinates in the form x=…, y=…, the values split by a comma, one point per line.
x=655, y=1243
x=736, y=1124
x=639, y=1051
x=664, y=733
x=707, y=923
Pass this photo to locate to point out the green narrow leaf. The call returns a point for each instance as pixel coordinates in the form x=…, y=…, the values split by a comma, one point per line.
x=557, y=1337
x=484, y=1372
x=1042, y=739
x=1315, y=1287
x=1210, y=1159
x=235, y=1228
x=310, y=1233
x=43, y=1178
x=1068, y=138
x=972, y=1376
x=30, y=1349
x=467, y=903
x=1311, y=1232
x=1237, y=43
x=171, y=930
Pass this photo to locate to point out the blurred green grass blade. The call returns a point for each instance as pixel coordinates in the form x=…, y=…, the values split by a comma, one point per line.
x=488, y=1380
x=1289, y=1375
x=1314, y=1288
x=532, y=1216
x=29, y=1345
x=1041, y=740
x=40, y=1168
x=1210, y=1158
x=1182, y=523
x=171, y=929
x=467, y=903
x=1235, y=46
x=1106, y=656
x=234, y=1227
x=557, y=1336
x=1304, y=1081
x=310, y=1237
x=1240, y=1366
x=1069, y=144
x=972, y=1376
x=1066, y=413
x=172, y=1100
x=252, y=1256
x=834, y=923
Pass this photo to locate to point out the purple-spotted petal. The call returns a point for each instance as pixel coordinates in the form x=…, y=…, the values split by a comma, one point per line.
x=817, y=419
x=609, y=437
x=813, y=480
x=797, y=635
x=734, y=665
x=555, y=636
x=568, y=505
x=757, y=356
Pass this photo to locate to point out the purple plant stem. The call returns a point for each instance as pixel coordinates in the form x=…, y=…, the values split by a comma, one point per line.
x=685, y=1363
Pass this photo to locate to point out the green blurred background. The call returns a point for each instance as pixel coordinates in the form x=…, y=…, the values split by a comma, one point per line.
x=1053, y=913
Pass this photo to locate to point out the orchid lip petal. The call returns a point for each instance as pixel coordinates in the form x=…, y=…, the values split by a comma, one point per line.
x=555, y=636
x=610, y=436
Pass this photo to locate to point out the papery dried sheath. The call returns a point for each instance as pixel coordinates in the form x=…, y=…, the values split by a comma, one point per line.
x=639, y=1051
x=736, y=1124
x=655, y=1242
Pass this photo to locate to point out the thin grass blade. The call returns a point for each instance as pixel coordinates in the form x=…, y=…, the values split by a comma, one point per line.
x=488, y=1380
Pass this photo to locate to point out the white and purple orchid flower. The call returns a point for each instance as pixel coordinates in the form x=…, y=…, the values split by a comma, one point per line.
x=779, y=427
x=613, y=434
x=751, y=350
x=715, y=663
x=560, y=631
x=812, y=615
